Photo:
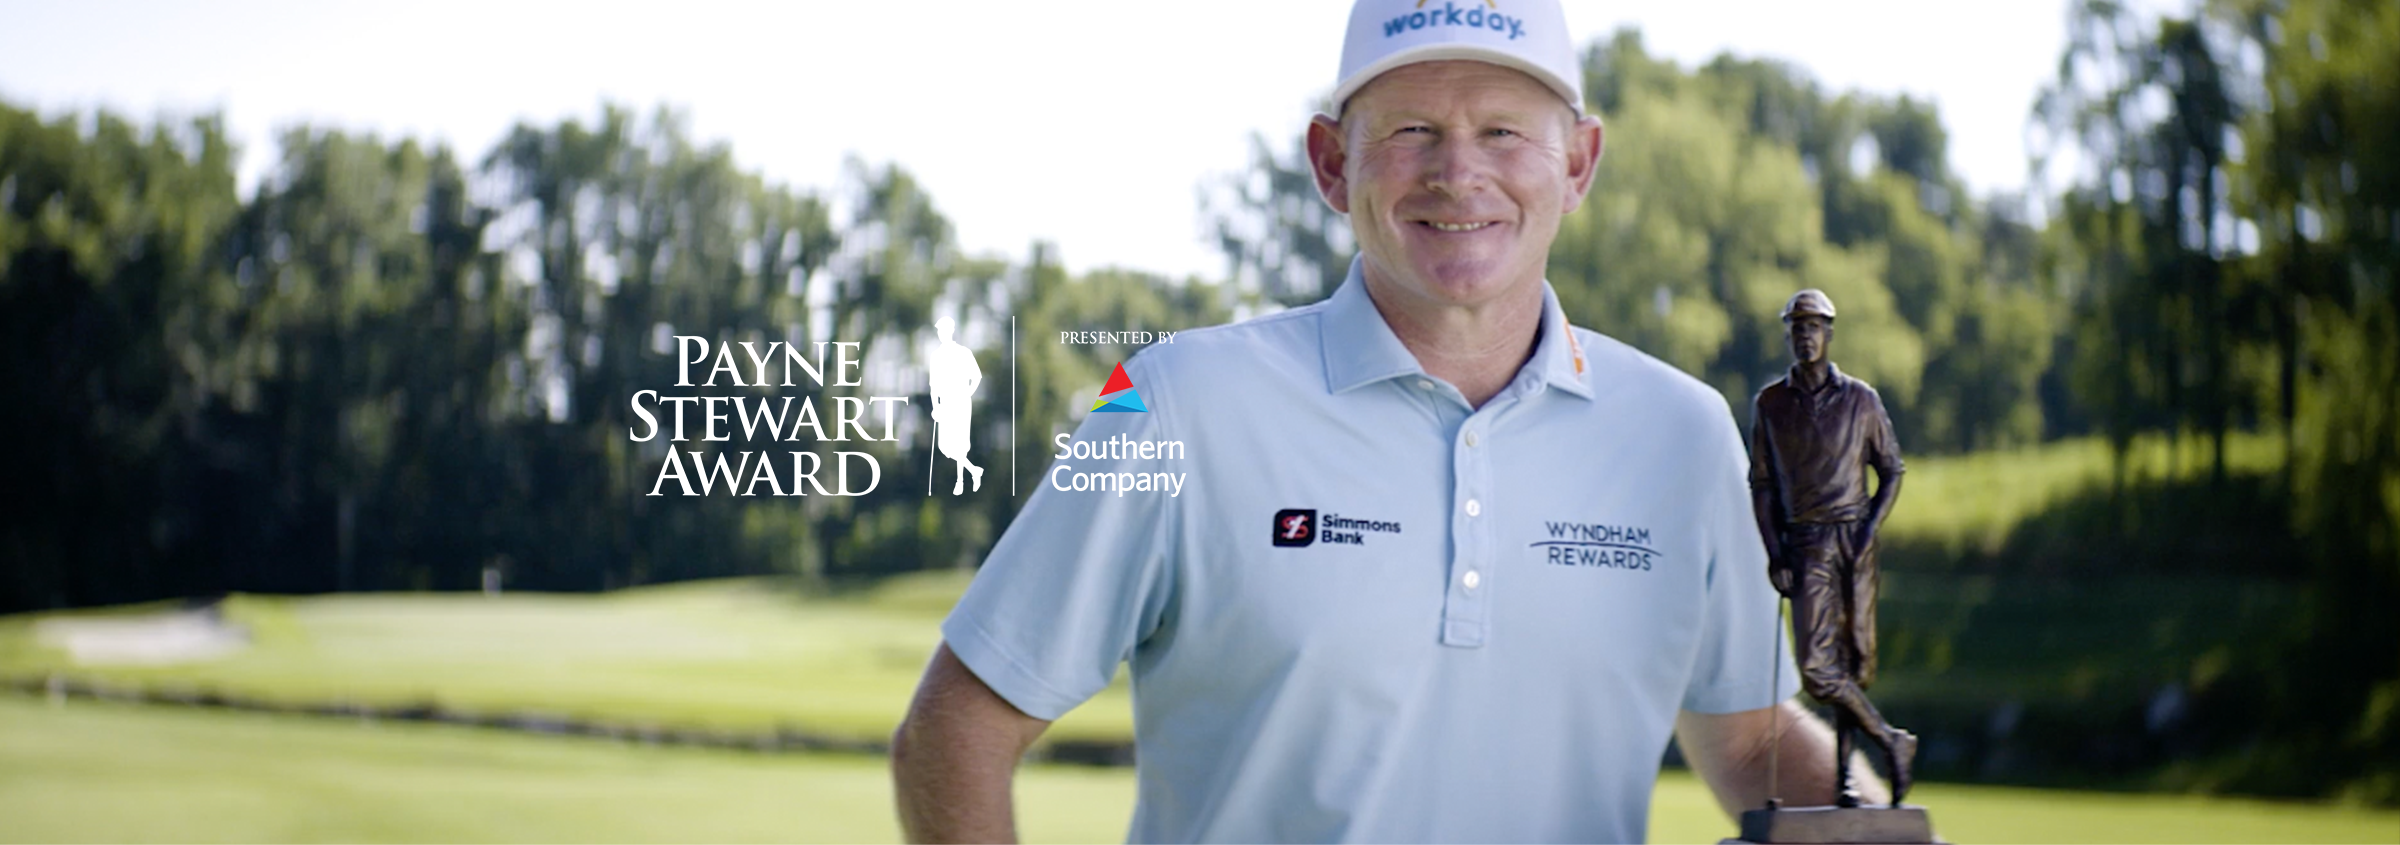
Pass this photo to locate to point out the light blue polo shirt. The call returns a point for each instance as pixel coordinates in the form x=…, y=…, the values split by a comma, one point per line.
x=1372, y=613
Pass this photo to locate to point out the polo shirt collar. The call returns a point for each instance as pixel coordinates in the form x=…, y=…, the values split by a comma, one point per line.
x=1360, y=348
x=1559, y=359
x=1833, y=380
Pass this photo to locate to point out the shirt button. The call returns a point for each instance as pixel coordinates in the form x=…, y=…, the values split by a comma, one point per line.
x=1470, y=440
x=1424, y=384
x=1474, y=507
x=1471, y=579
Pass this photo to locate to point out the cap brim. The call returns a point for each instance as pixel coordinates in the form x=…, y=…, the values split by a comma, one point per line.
x=1449, y=52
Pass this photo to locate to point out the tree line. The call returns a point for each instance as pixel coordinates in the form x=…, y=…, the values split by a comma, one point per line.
x=391, y=368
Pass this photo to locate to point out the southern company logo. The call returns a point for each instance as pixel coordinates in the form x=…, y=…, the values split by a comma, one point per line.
x=1451, y=15
x=1118, y=395
x=1122, y=454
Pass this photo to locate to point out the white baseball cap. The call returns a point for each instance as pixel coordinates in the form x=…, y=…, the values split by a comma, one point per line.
x=1526, y=35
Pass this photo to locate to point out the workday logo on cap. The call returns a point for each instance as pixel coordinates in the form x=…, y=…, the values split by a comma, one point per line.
x=1449, y=15
x=1525, y=35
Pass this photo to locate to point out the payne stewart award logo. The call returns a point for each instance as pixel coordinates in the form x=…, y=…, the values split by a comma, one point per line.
x=691, y=425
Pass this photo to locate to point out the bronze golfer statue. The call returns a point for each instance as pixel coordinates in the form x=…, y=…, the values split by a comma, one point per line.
x=1814, y=436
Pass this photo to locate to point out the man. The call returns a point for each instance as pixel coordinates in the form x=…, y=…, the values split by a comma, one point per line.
x=952, y=376
x=1813, y=435
x=1445, y=568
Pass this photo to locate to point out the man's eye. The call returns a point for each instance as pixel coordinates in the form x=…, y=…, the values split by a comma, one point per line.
x=1501, y=133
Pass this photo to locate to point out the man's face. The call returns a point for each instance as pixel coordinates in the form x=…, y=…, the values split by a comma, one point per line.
x=1810, y=335
x=1455, y=175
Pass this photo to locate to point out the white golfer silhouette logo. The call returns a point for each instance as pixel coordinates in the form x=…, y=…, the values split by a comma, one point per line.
x=954, y=375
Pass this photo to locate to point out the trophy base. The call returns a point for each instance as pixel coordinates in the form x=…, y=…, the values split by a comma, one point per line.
x=1827, y=825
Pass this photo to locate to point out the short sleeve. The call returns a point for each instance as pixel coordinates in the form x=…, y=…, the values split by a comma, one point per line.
x=1762, y=470
x=1078, y=580
x=1885, y=446
x=1742, y=664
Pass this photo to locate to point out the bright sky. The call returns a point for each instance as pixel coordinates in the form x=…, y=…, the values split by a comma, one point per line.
x=1088, y=124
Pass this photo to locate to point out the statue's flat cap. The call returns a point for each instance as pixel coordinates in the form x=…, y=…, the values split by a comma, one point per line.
x=1810, y=302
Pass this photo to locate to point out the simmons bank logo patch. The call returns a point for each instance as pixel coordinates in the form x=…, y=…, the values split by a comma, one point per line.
x=1302, y=527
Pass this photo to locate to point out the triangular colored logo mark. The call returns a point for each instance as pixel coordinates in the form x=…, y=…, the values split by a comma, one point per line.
x=1116, y=381
x=1118, y=395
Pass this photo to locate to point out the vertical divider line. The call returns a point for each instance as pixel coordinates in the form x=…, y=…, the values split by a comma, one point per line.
x=1012, y=406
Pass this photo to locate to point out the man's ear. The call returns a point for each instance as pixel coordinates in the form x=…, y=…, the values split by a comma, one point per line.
x=1327, y=155
x=1584, y=144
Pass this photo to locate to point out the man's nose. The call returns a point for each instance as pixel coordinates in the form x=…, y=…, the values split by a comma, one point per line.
x=1456, y=168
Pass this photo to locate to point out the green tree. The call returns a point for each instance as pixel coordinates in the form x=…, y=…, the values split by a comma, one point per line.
x=110, y=280
x=2149, y=108
x=1279, y=238
x=2319, y=180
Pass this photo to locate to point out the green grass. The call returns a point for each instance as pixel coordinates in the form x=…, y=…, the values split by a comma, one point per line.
x=725, y=654
x=101, y=772
x=107, y=772
x=754, y=656
x=1971, y=502
x=1970, y=640
x=2016, y=576
x=750, y=655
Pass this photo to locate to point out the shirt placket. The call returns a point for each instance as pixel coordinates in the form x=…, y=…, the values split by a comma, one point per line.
x=1466, y=604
